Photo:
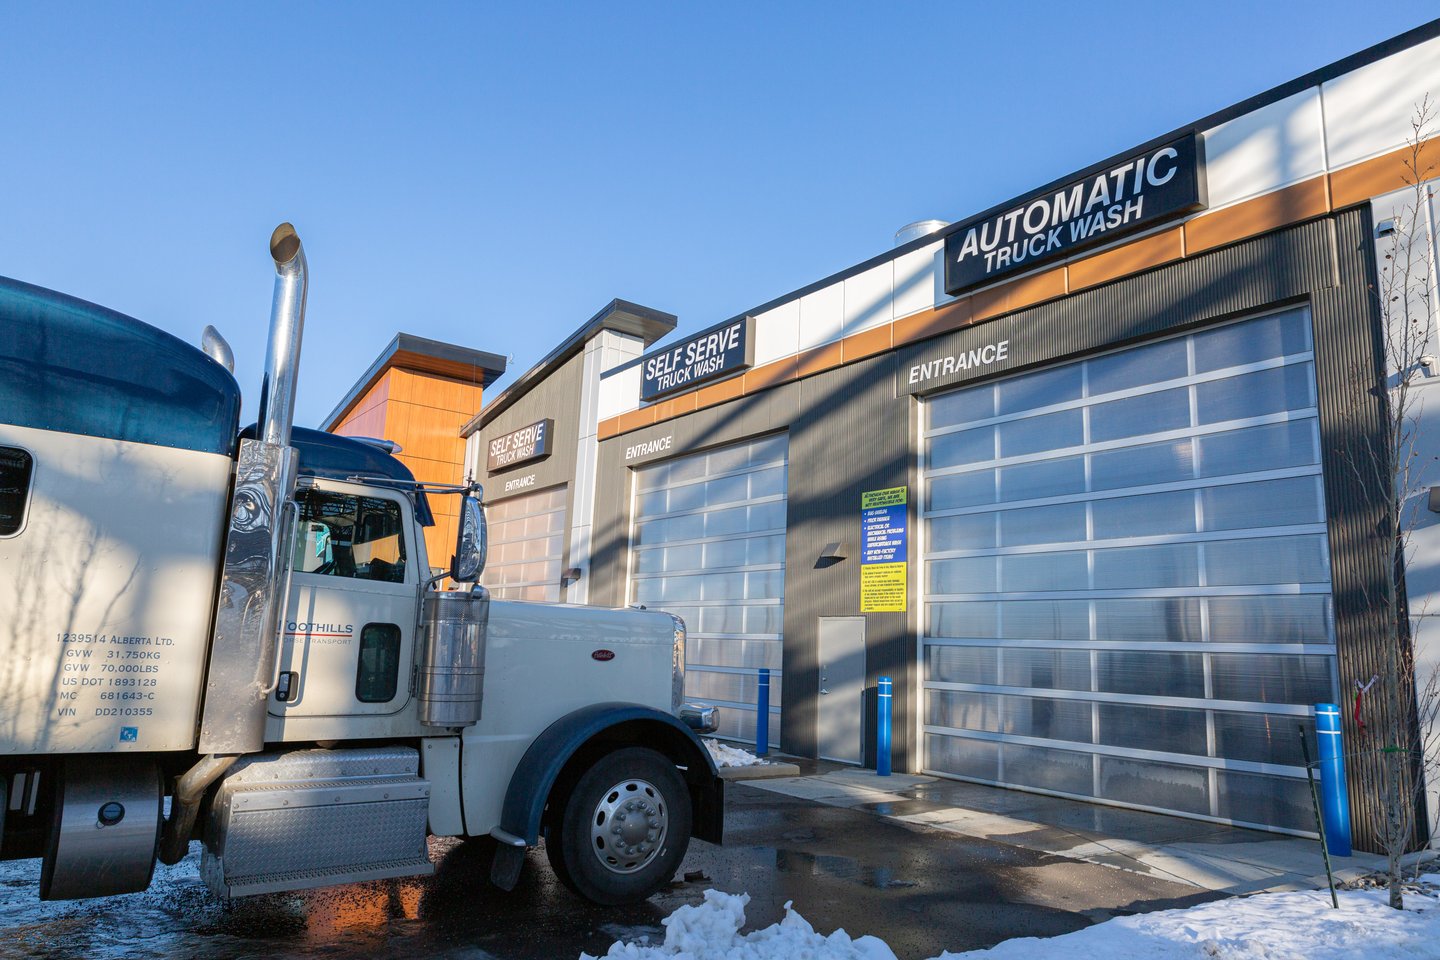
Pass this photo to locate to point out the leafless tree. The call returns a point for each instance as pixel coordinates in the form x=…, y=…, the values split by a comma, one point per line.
x=1391, y=752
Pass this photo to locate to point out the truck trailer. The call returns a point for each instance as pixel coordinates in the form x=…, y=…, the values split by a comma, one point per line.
x=236, y=637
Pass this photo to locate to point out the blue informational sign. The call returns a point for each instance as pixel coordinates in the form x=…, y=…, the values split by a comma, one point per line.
x=883, y=534
x=883, y=549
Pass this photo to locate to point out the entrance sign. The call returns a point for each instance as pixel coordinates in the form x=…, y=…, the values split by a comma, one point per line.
x=884, y=542
x=1147, y=188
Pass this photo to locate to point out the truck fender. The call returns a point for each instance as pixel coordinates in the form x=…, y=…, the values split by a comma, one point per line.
x=566, y=748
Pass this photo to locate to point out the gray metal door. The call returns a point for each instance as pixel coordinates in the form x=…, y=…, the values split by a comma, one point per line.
x=842, y=687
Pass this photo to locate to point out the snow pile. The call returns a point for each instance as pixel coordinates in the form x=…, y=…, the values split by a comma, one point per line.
x=728, y=756
x=711, y=931
x=1272, y=926
x=1269, y=926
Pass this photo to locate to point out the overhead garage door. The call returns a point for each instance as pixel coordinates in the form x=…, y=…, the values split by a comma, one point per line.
x=708, y=545
x=526, y=546
x=1127, y=576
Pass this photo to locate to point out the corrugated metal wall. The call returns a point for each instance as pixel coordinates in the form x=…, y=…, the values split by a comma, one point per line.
x=1349, y=363
x=556, y=396
x=851, y=436
x=848, y=434
x=852, y=430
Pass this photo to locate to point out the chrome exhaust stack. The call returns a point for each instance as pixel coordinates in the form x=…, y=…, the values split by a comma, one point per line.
x=287, y=323
x=256, y=572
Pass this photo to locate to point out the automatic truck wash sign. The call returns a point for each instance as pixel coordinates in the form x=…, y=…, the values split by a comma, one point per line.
x=706, y=356
x=1155, y=185
x=521, y=446
x=884, y=540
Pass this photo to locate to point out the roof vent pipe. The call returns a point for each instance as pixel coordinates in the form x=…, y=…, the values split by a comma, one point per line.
x=918, y=229
x=287, y=323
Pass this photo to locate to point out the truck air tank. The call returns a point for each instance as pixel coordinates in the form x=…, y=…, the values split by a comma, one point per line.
x=452, y=674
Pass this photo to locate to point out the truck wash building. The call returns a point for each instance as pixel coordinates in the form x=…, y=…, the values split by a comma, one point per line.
x=1070, y=470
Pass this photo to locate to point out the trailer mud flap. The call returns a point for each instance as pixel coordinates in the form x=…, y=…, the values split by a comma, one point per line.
x=505, y=871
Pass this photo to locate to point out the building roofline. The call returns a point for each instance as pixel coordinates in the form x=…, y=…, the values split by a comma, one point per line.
x=621, y=316
x=1348, y=64
x=409, y=352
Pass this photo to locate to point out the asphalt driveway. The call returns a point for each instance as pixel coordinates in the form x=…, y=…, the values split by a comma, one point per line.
x=920, y=889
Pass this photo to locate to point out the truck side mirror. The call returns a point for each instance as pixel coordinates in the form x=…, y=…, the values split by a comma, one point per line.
x=471, y=543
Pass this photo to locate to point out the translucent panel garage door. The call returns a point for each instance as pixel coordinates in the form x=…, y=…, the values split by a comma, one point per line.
x=708, y=545
x=1127, y=576
x=526, y=546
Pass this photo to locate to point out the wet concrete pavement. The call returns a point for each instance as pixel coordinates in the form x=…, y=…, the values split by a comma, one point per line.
x=920, y=889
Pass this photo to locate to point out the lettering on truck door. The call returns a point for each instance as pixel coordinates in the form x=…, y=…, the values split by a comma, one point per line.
x=348, y=634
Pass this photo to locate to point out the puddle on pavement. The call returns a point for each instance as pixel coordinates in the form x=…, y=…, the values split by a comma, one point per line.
x=839, y=868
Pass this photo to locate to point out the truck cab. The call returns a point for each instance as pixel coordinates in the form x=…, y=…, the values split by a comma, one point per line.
x=247, y=623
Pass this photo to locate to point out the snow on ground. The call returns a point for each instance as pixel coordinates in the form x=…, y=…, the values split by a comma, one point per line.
x=711, y=931
x=728, y=756
x=1271, y=926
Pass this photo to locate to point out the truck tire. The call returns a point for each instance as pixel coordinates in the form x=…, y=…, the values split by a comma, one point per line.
x=623, y=830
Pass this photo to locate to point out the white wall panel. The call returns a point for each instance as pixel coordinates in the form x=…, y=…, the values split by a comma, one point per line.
x=777, y=332
x=869, y=299
x=472, y=455
x=1265, y=150
x=821, y=315
x=617, y=348
x=589, y=391
x=920, y=279
x=1368, y=111
x=620, y=393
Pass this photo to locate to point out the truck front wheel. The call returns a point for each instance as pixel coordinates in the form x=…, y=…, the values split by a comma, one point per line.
x=624, y=828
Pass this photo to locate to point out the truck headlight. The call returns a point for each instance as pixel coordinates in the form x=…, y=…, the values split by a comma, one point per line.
x=677, y=667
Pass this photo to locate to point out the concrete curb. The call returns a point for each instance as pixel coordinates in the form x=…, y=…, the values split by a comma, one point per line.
x=768, y=770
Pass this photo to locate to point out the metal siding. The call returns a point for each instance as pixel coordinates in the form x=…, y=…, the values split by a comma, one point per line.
x=1263, y=272
x=559, y=397
x=1349, y=361
x=850, y=432
x=852, y=435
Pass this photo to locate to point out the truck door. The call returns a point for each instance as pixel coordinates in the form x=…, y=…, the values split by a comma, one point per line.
x=348, y=637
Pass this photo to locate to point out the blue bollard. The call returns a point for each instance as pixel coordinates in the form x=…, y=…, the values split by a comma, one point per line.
x=762, y=715
x=1334, y=801
x=882, y=732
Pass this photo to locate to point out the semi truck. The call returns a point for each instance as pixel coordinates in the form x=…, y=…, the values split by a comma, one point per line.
x=236, y=637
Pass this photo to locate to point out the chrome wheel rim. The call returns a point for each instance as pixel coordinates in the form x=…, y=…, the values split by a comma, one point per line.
x=629, y=826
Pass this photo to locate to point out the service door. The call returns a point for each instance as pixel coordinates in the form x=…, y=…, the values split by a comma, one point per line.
x=842, y=687
x=348, y=638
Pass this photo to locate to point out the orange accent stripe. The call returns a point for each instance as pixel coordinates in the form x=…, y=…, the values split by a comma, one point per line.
x=1270, y=211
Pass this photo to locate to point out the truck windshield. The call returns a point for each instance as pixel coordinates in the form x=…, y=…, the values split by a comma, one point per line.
x=341, y=535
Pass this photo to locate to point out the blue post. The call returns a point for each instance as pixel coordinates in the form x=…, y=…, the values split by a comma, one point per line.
x=1334, y=801
x=762, y=715
x=882, y=732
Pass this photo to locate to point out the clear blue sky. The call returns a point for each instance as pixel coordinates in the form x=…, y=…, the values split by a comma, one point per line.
x=493, y=175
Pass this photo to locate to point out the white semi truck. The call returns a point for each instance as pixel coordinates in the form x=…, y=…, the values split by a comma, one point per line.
x=245, y=624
